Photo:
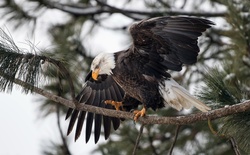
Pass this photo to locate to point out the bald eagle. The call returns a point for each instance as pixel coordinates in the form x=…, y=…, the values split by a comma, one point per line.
x=138, y=75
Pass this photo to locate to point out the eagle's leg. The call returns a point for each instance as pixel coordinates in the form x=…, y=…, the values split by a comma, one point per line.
x=116, y=104
x=139, y=113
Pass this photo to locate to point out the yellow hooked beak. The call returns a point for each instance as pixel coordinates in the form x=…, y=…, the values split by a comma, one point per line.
x=95, y=74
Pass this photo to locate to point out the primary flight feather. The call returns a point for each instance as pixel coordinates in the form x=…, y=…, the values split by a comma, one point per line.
x=138, y=75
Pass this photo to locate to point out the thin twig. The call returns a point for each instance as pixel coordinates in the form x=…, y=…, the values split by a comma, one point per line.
x=234, y=146
x=151, y=140
x=232, y=140
x=211, y=127
x=65, y=145
x=138, y=139
x=175, y=139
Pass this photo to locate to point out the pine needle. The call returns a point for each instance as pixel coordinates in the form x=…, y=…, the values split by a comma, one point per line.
x=25, y=66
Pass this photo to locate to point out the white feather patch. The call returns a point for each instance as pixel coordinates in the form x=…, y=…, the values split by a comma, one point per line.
x=178, y=97
x=105, y=61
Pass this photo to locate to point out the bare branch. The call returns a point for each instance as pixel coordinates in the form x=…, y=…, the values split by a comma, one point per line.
x=151, y=141
x=234, y=146
x=232, y=140
x=65, y=144
x=138, y=139
x=175, y=120
x=175, y=138
x=64, y=141
x=135, y=14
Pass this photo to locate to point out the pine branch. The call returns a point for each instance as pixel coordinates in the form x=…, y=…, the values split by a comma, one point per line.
x=25, y=66
x=174, y=120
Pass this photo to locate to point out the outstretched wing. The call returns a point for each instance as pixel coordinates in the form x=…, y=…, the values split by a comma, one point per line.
x=166, y=43
x=95, y=93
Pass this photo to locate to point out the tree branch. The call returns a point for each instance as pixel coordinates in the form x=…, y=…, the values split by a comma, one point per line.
x=135, y=14
x=175, y=139
x=174, y=120
x=64, y=141
x=151, y=141
x=138, y=139
x=65, y=147
x=234, y=146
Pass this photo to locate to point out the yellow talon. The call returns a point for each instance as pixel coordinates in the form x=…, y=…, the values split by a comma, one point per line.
x=116, y=104
x=139, y=113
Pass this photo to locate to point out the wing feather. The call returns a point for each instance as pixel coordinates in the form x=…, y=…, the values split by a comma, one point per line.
x=115, y=121
x=69, y=112
x=119, y=95
x=165, y=43
x=90, y=117
x=98, y=117
x=89, y=124
x=72, y=121
x=113, y=93
x=95, y=93
x=85, y=95
x=79, y=125
x=106, y=119
x=107, y=126
x=98, y=122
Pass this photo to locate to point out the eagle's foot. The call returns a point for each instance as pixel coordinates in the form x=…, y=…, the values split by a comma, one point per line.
x=116, y=104
x=139, y=113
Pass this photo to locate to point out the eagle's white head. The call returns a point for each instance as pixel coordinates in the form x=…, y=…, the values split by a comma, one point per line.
x=103, y=63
